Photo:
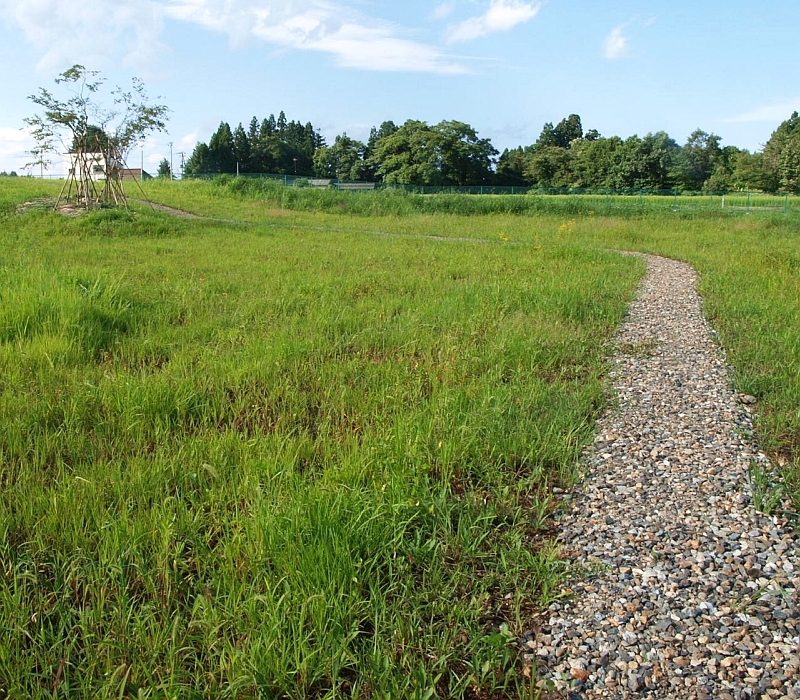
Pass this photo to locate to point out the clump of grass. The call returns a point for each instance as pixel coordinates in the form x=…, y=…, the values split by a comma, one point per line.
x=766, y=489
x=644, y=348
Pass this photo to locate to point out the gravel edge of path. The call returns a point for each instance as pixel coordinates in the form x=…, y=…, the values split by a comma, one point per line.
x=686, y=590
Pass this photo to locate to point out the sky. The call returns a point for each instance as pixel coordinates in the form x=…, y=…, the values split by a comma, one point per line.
x=503, y=66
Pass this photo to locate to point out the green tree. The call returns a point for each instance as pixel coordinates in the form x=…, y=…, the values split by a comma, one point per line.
x=643, y=163
x=722, y=178
x=562, y=135
x=82, y=119
x=266, y=151
x=371, y=165
x=409, y=155
x=780, y=156
x=549, y=166
x=164, y=171
x=343, y=160
x=199, y=162
x=696, y=160
x=510, y=170
x=220, y=147
x=241, y=150
x=748, y=172
x=94, y=139
x=464, y=158
x=789, y=166
x=450, y=153
x=593, y=162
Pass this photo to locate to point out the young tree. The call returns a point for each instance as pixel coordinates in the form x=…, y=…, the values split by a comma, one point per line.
x=75, y=120
x=83, y=122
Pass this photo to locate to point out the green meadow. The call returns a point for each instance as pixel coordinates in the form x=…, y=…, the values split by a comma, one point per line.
x=307, y=448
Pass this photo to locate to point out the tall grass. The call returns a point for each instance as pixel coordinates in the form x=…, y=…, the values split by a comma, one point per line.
x=290, y=459
x=225, y=191
x=745, y=246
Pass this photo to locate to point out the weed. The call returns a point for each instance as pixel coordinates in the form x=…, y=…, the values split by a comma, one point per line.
x=643, y=348
x=767, y=492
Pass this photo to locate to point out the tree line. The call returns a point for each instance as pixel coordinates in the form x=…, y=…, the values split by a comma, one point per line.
x=452, y=153
x=269, y=146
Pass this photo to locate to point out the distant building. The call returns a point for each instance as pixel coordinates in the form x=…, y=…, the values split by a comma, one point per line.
x=94, y=165
x=128, y=174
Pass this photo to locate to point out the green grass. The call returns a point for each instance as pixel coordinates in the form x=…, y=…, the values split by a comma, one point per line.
x=18, y=190
x=312, y=456
x=285, y=460
x=242, y=197
x=748, y=255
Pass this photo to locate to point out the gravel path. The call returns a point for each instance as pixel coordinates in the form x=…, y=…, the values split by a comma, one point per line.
x=693, y=594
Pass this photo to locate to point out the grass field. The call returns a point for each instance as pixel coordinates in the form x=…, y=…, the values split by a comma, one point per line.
x=314, y=455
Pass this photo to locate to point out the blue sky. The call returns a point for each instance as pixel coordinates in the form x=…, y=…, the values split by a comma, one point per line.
x=504, y=66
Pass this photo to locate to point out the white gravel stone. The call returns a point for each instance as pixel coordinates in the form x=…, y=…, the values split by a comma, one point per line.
x=692, y=593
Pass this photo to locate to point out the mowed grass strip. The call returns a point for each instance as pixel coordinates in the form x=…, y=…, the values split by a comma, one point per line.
x=285, y=461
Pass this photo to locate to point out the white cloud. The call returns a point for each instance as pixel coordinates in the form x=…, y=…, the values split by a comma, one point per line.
x=501, y=16
x=98, y=32
x=775, y=112
x=15, y=146
x=90, y=33
x=443, y=10
x=615, y=45
x=189, y=141
x=316, y=26
x=356, y=46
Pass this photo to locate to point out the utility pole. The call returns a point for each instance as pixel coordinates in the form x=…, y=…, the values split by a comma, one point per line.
x=141, y=172
x=171, y=171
